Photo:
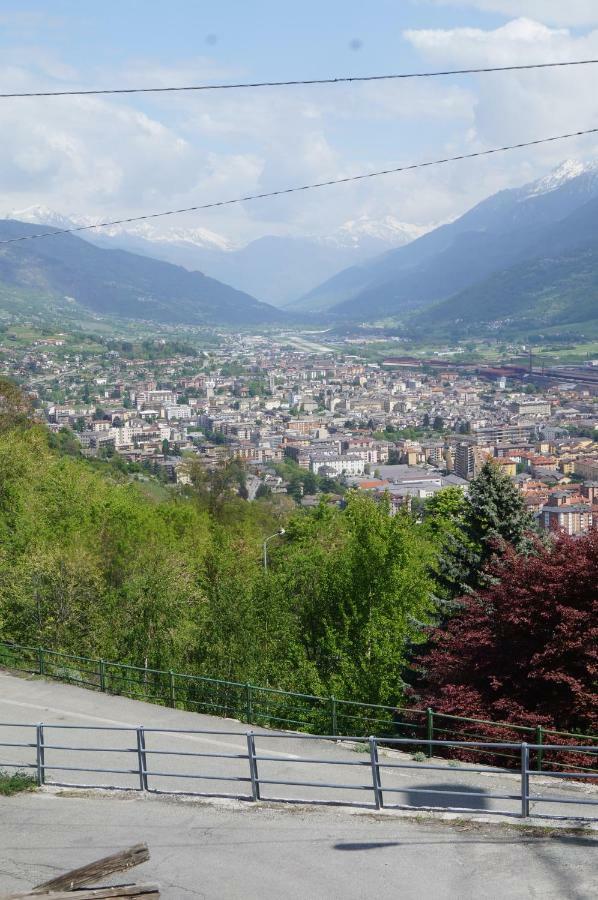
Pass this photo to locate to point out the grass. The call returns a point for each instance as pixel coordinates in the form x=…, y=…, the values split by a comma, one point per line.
x=15, y=783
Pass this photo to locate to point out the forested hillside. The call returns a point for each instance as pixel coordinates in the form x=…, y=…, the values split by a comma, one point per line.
x=540, y=293
x=89, y=565
x=523, y=258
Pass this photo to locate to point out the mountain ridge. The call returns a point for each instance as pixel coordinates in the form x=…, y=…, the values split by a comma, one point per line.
x=118, y=283
x=496, y=233
x=275, y=268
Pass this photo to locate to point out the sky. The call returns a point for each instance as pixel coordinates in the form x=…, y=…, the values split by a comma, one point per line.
x=110, y=157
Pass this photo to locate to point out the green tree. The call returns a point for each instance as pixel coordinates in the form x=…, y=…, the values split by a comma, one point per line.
x=363, y=577
x=493, y=517
x=15, y=405
x=445, y=520
x=497, y=512
x=90, y=565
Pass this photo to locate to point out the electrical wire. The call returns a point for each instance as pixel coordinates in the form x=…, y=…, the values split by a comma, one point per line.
x=304, y=187
x=349, y=79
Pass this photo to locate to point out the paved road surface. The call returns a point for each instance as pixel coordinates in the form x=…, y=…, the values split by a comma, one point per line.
x=30, y=700
x=289, y=853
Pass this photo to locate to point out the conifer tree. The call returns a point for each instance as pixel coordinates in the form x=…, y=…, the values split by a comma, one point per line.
x=497, y=513
x=492, y=517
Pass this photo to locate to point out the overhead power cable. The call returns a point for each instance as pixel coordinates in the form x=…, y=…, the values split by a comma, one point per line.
x=304, y=187
x=347, y=79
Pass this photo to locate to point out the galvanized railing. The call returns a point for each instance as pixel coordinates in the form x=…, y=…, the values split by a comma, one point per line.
x=271, y=707
x=43, y=756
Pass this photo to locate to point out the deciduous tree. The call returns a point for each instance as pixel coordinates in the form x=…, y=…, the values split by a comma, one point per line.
x=526, y=648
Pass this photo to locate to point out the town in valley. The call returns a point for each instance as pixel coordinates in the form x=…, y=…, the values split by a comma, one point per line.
x=312, y=417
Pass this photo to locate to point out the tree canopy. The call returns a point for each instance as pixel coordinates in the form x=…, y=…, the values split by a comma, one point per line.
x=474, y=529
x=90, y=565
x=526, y=648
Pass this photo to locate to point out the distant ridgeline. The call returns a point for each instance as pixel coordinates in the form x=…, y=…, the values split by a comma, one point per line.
x=67, y=273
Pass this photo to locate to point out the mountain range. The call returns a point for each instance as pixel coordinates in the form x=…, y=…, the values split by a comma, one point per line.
x=524, y=257
x=277, y=269
x=525, y=253
x=64, y=270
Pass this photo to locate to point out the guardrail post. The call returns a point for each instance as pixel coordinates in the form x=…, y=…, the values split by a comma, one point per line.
x=40, y=754
x=540, y=741
x=333, y=717
x=103, y=675
x=141, y=758
x=248, y=703
x=40, y=660
x=524, y=780
x=376, y=782
x=430, y=729
x=172, y=691
x=255, y=781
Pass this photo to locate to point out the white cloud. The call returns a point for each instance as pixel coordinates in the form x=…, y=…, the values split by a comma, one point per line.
x=554, y=12
x=113, y=157
x=110, y=157
x=521, y=106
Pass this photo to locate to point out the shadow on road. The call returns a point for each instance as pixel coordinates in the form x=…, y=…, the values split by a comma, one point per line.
x=576, y=840
x=369, y=845
x=459, y=796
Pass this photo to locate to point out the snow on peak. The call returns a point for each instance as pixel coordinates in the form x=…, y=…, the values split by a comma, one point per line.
x=567, y=171
x=387, y=230
x=42, y=215
x=362, y=233
x=199, y=237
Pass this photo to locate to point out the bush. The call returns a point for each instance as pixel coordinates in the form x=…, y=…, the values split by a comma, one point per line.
x=16, y=783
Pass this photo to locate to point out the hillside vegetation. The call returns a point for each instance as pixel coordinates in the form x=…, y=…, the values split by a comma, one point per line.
x=90, y=566
x=540, y=293
x=350, y=602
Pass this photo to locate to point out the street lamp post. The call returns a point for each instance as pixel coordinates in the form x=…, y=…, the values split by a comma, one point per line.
x=279, y=533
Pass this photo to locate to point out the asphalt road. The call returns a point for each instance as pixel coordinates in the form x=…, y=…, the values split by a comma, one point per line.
x=240, y=850
x=31, y=700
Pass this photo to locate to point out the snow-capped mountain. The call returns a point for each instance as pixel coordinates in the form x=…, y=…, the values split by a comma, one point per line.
x=569, y=170
x=502, y=231
x=146, y=231
x=274, y=268
x=388, y=230
x=43, y=215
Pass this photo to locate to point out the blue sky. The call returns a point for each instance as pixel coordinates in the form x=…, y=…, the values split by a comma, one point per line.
x=262, y=38
x=110, y=157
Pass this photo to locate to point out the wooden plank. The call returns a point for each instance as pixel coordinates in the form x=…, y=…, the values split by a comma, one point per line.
x=96, y=871
x=119, y=892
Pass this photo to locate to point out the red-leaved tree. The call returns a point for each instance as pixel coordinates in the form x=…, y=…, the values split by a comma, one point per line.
x=525, y=650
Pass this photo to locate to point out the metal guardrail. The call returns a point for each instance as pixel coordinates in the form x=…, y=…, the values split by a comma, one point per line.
x=271, y=707
x=377, y=768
